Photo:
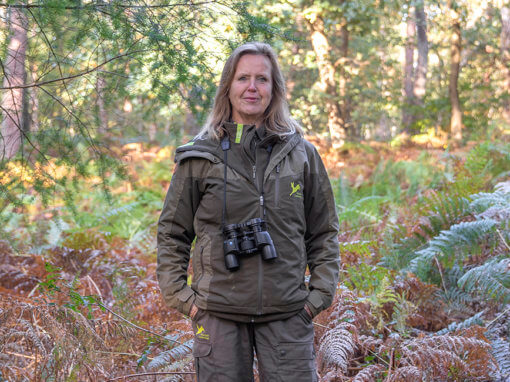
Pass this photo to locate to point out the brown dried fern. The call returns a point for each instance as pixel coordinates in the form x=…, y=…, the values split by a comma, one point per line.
x=338, y=346
x=370, y=373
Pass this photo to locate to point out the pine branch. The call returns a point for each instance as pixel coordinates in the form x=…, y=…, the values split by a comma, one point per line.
x=99, y=6
x=63, y=79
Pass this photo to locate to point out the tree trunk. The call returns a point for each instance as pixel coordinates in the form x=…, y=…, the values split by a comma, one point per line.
x=505, y=59
x=407, y=111
x=101, y=111
x=455, y=49
x=14, y=75
x=420, y=79
x=345, y=104
x=34, y=100
x=320, y=44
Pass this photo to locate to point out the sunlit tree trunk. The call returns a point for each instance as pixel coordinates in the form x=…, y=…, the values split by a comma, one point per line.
x=420, y=78
x=14, y=75
x=505, y=58
x=321, y=47
x=455, y=49
x=345, y=104
x=407, y=114
x=415, y=79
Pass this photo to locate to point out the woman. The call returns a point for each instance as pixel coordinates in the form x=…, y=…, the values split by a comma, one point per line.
x=257, y=198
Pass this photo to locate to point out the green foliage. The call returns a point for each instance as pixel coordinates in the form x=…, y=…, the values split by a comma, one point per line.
x=476, y=319
x=453, y=246
x=365, y=278
x=172, y=359
x=501, y=351
x=490, y=279
x=391, y=183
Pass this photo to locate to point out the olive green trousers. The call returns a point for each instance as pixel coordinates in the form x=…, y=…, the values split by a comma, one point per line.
x=224, y=350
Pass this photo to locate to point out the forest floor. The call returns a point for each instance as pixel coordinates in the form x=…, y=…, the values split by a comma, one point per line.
x=79, y=299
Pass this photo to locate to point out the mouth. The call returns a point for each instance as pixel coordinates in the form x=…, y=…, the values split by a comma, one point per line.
x=251, y=99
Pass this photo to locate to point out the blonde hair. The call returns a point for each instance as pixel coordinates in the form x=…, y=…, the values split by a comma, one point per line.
x=276, y=117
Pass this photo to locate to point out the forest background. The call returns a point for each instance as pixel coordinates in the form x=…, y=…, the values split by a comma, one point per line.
x=408, y=103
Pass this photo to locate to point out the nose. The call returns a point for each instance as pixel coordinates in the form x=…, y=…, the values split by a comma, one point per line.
x=252, y=86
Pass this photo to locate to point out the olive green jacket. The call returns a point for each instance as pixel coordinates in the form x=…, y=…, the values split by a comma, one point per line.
x=299, y=209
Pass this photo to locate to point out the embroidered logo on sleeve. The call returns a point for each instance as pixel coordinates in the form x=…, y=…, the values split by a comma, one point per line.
x=296, y=190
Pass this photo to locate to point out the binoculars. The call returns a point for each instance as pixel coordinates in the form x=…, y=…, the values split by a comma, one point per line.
x=245, y=239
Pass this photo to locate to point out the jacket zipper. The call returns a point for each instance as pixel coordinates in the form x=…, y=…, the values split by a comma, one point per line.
x=261, y=269
x=277, y=186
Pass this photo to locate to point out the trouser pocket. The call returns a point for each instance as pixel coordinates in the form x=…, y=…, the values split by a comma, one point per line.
x=296, y=362
x=200, y=351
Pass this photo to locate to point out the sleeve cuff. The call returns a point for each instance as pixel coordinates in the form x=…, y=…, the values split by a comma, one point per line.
x=186, y=299
x=314, y=302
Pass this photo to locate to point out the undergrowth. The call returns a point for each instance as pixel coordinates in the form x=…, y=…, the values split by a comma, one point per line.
x=424, y=291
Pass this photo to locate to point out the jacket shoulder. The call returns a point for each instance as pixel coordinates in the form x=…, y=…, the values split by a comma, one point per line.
x=199, y=147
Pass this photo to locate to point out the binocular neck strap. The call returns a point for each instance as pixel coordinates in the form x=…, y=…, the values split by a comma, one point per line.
x=225, y=146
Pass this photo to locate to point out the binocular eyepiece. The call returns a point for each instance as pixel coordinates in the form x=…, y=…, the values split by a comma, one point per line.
x=245, y=239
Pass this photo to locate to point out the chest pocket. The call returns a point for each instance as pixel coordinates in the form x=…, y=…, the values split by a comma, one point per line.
x=288, y=187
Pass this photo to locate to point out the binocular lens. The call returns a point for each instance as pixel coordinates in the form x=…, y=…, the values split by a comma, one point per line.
x=231, y=262
x=268, y=253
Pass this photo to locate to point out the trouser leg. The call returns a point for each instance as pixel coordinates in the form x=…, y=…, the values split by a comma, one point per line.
x=285, y=350
x=223, y=349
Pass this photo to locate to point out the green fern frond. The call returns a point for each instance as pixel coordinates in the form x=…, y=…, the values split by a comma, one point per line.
x=491, y=279
x=501, y=352
x=169, y=357
x=483, y=200
x=477, y=319
x=455, y=243
x=441, y=211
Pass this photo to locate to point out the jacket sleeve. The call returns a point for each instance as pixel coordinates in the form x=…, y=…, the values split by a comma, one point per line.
x=321, y=237
x=174, y=237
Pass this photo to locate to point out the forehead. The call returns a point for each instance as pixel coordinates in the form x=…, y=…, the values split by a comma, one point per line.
x=253, y=63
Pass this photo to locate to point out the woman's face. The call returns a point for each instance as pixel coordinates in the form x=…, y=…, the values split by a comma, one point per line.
x=251, y=89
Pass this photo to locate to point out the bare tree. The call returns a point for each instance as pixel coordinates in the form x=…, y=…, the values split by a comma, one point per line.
x=505, y=59
x=321, y=47
x=455, y=50
x=420, y=78
x=415, y=80
x=407, y=115
x=14, y=75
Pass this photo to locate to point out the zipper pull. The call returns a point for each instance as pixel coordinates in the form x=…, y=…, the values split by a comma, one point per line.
x=278, y=168
x=261, y=200
x=254, y=171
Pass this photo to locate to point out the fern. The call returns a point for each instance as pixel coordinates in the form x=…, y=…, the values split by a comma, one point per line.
x=501, y=352
x=491, y=279
x=445, y=356
x=338, y=346
x=441, y=210
x=483, y=200
x=456, y=326
x=169, y=358
x=406, y=374
x=452, y=244
x=369, y=373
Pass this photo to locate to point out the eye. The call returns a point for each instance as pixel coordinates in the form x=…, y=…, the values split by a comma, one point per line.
x=262, y=79
x=242, y=78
